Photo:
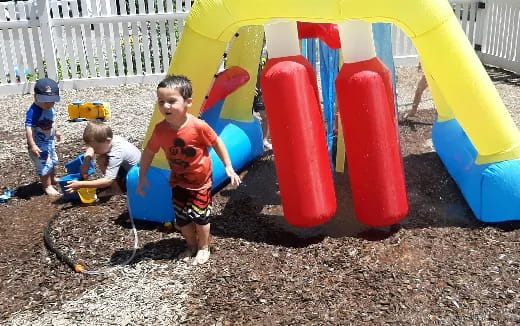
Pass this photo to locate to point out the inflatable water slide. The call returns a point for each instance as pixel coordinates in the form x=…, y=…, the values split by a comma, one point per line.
x=474, y=134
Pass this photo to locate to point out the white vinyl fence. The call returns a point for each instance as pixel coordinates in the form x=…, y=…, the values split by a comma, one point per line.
x=86, y=43
x=500, y=38
x=492, y=27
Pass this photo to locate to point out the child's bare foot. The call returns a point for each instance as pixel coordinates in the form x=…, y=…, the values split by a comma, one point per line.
x=201, y=257
x=410, y=114
x=267, y=145
x=186, y=254
x=51, y=191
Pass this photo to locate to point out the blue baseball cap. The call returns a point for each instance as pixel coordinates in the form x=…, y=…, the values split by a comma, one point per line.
x=46, y=90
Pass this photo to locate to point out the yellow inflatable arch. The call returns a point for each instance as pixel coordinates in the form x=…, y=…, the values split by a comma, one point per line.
x=460, y=85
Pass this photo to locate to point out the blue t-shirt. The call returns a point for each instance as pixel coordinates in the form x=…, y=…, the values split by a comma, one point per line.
x=41, y=122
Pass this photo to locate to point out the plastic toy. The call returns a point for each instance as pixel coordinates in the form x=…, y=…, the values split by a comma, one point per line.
x=80, y=110
x=74, y=165
x=474, y=134
x=63, y=182
x=87, y=195
x=8, y=193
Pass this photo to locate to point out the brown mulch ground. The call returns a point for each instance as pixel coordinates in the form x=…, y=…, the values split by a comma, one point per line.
x=439, y=266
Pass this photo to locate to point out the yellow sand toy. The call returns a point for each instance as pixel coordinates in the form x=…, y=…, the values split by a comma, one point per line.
x=89, y=110
x=87, y=195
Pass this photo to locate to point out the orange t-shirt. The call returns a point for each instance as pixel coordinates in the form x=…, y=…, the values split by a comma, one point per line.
x=187, y=152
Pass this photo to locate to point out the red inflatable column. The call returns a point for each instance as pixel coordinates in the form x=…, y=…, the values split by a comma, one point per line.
x=375, y=166
x=299, y=145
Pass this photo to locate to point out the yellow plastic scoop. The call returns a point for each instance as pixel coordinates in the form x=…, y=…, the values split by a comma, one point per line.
x=87, y=195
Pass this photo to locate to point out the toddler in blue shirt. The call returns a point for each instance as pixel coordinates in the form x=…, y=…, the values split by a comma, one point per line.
x=41, y=134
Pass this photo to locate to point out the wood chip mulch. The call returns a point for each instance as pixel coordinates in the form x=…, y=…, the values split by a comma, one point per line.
x=439, y=266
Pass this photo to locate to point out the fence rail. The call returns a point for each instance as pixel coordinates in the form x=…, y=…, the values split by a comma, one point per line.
x=86, y=43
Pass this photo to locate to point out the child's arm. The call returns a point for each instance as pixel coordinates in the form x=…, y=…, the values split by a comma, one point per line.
x=146, y=160
x=87, y=158
x=222, y=153
x=73, y=186
x=57, y=133
x=31, y=145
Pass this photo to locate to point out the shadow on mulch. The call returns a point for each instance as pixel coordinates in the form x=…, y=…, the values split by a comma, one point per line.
x=506, y=226
x=435, y=202
x=123, y=220
x=244, y=214
x=252, y=212
x=242, y=219
x=379, y=234
x=413, y=124
x=503, y=76
x=30, y=190
x=155, y=250
x=151, y=250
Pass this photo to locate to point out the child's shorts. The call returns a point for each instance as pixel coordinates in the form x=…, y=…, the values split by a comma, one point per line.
x=191, y=206
x=45, y=163
x=121, y=179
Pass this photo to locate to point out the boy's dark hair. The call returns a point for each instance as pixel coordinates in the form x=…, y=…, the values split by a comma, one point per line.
x=179, y=82
x=97, y=131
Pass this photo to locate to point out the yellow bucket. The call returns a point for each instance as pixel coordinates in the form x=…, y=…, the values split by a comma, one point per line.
x=87, y=195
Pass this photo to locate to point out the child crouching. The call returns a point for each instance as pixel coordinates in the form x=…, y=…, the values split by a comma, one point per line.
x=115, y=156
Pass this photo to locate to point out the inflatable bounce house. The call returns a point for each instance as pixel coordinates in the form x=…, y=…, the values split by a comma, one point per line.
x=474, y=134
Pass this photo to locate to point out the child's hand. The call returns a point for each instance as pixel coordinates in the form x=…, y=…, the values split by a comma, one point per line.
x=83, y=169
x=84, y=172
x=72, y=186
x=142, y=183
x=35, y=151
x=59, y=136
x=233, y=176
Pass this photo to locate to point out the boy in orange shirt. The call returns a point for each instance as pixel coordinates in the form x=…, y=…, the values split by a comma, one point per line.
x=185, y=141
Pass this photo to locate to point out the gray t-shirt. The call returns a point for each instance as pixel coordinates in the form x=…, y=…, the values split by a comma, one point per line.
x=122, y=155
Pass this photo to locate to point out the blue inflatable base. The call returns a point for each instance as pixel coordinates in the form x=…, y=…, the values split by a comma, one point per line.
x=243, y=141
x=156, y=206
x=491, y=190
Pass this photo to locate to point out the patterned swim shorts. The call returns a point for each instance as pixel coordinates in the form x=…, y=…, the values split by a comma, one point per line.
x=191, y=206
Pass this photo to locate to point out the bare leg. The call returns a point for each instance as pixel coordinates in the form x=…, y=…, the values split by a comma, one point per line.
x=54, y=181
x=46, y=181
x=190, y=235
x=265, y=131
x=115, y=188
x=108, y=192
x=203, y=237
x=421, y=87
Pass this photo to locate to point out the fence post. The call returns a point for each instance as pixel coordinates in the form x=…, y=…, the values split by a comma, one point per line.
x=47, y=41
x=481, y=28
